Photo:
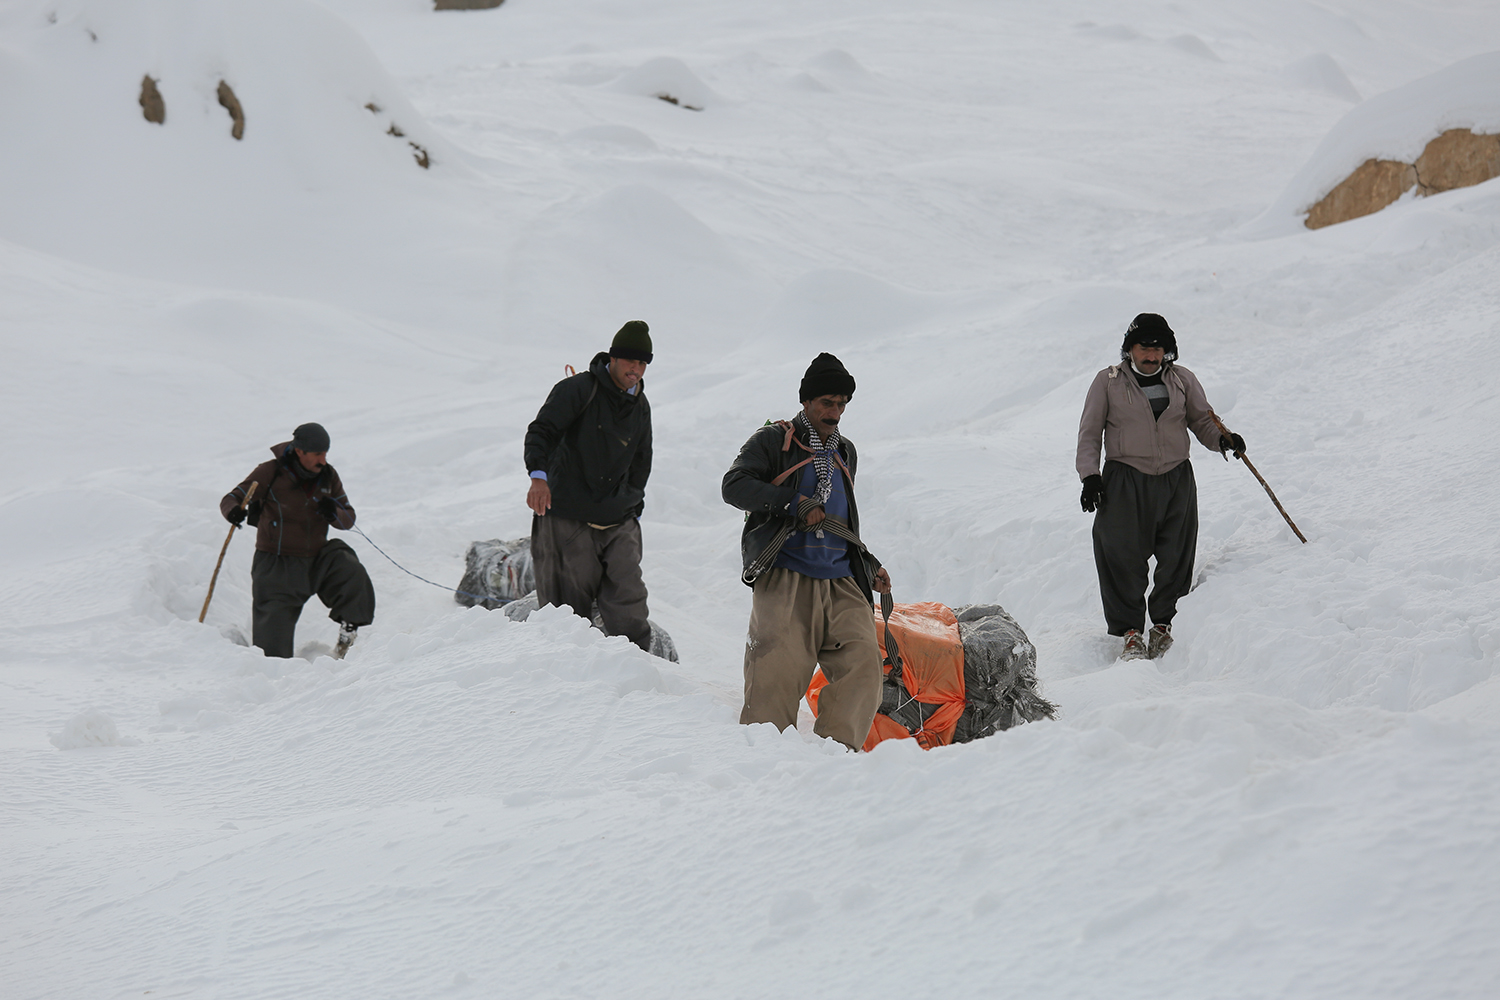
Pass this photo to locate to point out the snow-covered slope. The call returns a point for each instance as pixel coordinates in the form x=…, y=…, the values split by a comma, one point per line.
x=1396, y=125
x=966, y=203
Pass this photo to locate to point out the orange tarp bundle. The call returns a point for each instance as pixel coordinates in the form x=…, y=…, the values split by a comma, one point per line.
x=932, y=669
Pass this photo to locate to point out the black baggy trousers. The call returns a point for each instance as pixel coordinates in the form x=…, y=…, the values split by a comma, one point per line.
x=577, y=564
x=280, y=585
x=1144, y=516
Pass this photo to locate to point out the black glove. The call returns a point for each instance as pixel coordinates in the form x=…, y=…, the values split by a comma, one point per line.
x=328, y=509
x=236, y=515
x=1232, y=442
x=1093, y=494
x=252, y=513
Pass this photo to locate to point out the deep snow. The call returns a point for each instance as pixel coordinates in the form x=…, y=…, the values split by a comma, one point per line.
x=966, y=202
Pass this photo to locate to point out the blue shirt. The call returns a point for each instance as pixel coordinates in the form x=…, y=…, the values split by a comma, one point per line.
x=825, y=558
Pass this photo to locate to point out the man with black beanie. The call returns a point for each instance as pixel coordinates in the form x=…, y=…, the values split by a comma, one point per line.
x=1146, y=498
x=811, y=606
x=297, y=497
x=589, y=455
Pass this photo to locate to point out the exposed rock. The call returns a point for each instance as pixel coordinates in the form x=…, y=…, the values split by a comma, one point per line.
x=152, y=105
x=672, y=100
x=1374, y=185
x=423, y=160
x=661, y=643
x=1458, y=158
x=465, y=4
x=232, y=104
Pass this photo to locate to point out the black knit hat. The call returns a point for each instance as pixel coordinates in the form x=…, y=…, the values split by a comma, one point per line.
x=633, y=342
x=1150, y=330
x=310, y=437
x=826, y=376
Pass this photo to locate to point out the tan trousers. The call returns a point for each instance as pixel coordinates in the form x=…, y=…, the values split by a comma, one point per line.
x=796, y=624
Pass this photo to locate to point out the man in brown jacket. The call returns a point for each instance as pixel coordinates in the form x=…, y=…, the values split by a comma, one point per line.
x=299, y=495
x=1146, y=498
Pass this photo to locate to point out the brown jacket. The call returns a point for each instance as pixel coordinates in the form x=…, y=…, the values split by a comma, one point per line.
x=1118, y=411
x=289, y=523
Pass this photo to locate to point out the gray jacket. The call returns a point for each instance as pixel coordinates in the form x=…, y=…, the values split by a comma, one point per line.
x=1117, y=411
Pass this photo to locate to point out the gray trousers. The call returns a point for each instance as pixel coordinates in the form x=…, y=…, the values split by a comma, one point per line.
x=798, y=623
x=577, y=565
x=1144, y=516
x=280, y=585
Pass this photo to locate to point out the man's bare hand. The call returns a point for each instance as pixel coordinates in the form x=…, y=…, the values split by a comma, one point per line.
x=815, y=517
x=882, y=581
x=539, y=497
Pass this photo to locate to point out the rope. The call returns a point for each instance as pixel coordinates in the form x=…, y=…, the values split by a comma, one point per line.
x=478, y=597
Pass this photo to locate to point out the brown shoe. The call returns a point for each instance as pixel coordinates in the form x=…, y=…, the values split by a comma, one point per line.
x=1159, y=640
x=1135, y=646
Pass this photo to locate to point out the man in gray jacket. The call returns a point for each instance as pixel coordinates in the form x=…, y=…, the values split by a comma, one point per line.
x=1146, y=499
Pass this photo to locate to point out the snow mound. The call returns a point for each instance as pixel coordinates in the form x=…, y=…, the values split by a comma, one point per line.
x=523, y=608
x=1395, y=125
x=91, y=728
x=1320, y=72
x=835, y=70
x=317, y=114
x=668, y=80
x=836, y=304
x=612, y=135
x=1194, y=46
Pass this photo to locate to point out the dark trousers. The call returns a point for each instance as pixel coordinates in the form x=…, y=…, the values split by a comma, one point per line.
x=1144, y=516
x=577, y=565
x=280, y=585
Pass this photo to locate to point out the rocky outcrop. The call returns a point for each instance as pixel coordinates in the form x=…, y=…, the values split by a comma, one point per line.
x=231, y=104
x=152, y=106
x=466, y=4
x=1372, y=186
x=1457, y=158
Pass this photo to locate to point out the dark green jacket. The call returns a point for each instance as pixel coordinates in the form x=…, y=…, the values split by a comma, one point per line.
x=747, y=485
x=594, y=443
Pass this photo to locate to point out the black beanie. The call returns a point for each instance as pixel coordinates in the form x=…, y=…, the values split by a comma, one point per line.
x=826, y=376
x=1150, y=330
x=633, y=342
x=310, y=437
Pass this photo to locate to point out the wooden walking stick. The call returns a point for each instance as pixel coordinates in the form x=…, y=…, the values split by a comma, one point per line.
x=1241, y=456
x=215, y=579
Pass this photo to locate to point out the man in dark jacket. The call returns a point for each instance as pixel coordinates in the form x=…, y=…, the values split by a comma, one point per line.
x=298, y=495
x=589, y=455
x=1147, y=498
x=812, y=582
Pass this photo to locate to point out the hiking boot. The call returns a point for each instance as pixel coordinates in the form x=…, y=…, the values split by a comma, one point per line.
x=347, y=634
x=1135, y=646
x=1158, y=641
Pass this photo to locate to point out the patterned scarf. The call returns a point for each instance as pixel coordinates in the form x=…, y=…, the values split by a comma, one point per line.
x=822, y=459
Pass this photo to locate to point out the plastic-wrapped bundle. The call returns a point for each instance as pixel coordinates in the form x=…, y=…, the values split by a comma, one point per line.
x=999, y=674
x=661, y=643
x=496, y=572
x=999, y=681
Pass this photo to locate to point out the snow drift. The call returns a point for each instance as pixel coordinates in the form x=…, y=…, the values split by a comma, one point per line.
x=1396, y=125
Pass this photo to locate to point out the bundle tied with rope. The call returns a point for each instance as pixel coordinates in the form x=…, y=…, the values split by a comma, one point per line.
x=951, y=676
